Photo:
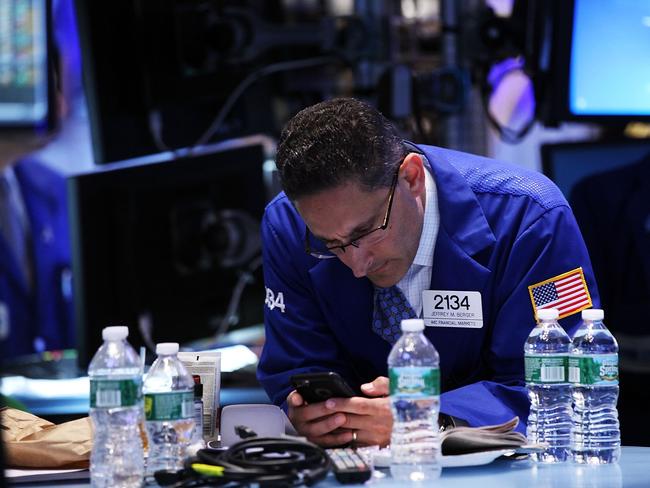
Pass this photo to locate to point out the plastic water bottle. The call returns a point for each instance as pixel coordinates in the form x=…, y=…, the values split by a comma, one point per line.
x=414, y=377
x=546, y=354
x=593, y=372
x=115, y=409
x=169, y=409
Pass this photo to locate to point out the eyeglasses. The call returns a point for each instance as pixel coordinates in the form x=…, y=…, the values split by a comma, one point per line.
x=340, y=249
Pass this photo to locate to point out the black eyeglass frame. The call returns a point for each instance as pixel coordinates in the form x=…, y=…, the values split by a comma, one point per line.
x=353, y=242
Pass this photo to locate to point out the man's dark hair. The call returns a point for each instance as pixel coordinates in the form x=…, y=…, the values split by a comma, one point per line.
x=335, y=142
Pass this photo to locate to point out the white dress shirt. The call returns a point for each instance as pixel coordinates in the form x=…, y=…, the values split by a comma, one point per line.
x=418, y=277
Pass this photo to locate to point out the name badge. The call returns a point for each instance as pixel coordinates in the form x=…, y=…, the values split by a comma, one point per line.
x=446, y=308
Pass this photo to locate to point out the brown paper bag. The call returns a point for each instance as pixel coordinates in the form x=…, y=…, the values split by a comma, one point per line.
x=31, y=442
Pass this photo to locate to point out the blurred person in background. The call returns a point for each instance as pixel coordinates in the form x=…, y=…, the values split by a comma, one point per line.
x=36, y=312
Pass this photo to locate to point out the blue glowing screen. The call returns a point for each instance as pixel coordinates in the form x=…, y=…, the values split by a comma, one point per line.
x=610, y=58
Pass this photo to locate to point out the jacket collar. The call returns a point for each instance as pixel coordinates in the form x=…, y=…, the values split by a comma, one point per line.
x=461, y=215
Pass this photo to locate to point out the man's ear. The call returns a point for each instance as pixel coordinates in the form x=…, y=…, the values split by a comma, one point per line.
x=412, y=171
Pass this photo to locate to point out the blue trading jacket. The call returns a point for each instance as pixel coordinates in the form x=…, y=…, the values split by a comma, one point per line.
x=45, y=313
x=502, y=229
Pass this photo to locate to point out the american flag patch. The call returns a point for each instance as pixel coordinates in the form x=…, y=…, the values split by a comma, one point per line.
x=567, y=292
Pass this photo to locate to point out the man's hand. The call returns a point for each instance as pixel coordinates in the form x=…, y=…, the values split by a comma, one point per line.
x=333, y=422
x=316, y=422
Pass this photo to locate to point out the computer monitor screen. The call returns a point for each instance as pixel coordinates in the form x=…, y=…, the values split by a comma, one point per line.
x=25, y=79
x=568, y=163
x=610, y=59
x=160, y=246
x=598, y=66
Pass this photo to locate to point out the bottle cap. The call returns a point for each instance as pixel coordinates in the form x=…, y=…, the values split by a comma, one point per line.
x=412, y=325
x=115, y=333
x=548, y=314
x=167, y=348
x=593, y=314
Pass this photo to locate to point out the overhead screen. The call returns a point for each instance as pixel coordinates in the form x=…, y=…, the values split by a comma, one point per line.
x=610, y=58
x=24, y=75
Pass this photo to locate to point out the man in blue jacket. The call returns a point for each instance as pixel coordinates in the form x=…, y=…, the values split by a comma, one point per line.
x=36, y=310
x=35, y=278
x=472, y=245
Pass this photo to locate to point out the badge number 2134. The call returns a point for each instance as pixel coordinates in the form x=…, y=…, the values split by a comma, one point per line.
x=449, y=308
x=450, y=302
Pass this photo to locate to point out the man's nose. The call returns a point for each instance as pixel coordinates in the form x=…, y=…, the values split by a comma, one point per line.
x=358, y=260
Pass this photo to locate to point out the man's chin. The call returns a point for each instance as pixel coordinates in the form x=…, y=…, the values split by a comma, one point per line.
x=384, y=278
x=383, y=283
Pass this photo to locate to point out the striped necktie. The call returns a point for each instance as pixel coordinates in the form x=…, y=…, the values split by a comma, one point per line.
x=391, y=307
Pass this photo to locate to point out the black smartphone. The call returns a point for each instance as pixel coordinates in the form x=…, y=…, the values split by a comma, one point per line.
x=318, y=387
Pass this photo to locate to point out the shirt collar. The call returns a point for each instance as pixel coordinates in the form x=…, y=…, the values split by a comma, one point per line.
x=424, y=255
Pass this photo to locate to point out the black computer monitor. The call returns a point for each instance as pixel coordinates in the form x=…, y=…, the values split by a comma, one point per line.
x=599, y=66
x=27, y=66
x=568, y=163
x=159, y=244
x=609, y=74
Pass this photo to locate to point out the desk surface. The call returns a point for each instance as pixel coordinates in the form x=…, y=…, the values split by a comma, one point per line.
x=632, y=472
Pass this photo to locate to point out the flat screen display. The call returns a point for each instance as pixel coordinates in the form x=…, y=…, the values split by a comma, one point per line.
x=23, y=63
x=609, y=72
x=160, y=245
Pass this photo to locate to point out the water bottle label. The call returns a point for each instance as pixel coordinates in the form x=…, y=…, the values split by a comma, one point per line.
x=547, y=368
x=599, y=369
x=115, y=393
x=414, y=381
x=169, y=406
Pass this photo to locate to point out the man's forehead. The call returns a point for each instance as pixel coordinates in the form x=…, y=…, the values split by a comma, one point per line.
x=340, y=211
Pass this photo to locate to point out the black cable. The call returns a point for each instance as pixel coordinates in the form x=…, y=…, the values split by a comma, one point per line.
x=417, y=111
x=252, y=78
x=287, y=461
x=267, y=461
x=246, y=277
x=155, y=129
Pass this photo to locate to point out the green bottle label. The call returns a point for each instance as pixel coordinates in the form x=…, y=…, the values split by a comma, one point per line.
x=546, y=368
x=597, y=369
x=115, y=393
x=175, y=405
x=414, y=381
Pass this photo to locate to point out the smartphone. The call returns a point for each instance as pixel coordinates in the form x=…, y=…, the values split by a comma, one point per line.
x=318, y=387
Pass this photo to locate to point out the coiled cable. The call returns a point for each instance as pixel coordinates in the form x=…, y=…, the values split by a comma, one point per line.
x=269, y=461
